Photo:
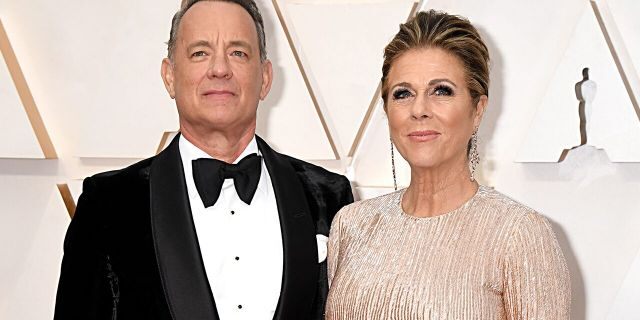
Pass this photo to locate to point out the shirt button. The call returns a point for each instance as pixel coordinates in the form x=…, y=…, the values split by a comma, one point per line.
x=239, y=306
x=233, y=212
x=237, y=258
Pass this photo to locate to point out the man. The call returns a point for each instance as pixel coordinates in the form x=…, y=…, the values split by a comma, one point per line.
x=182, y=236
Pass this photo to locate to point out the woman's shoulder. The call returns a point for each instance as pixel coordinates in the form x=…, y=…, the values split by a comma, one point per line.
x=365, y=208
x=508, y=210
x=495, y=201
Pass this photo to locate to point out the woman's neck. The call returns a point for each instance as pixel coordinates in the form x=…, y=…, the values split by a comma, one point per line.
x=436, y=191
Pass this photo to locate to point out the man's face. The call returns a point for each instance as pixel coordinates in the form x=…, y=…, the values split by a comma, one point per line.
x=216, y=75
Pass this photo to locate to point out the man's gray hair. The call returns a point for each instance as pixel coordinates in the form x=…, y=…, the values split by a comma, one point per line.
x=248, y=5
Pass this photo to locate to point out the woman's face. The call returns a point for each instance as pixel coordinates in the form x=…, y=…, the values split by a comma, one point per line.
x=431, y=113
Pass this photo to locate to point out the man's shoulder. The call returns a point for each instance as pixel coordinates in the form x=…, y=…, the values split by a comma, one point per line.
x=312, y=170
x=301, y=167
x=107, y=196
x=135, y=173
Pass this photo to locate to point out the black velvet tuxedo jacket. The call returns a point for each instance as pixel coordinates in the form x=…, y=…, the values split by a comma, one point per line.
x=131, y=250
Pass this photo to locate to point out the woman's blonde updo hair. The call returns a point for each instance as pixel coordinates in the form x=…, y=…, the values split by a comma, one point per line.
x=454, y=34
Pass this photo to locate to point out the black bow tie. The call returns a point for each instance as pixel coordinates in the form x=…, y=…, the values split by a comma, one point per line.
x=209, y=175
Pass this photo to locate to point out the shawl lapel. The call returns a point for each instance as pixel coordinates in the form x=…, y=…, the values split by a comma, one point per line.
x=300, y=272
x=177, y=250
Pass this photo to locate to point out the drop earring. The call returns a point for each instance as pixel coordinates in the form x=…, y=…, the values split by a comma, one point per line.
x=474, y=157
x=393, y=167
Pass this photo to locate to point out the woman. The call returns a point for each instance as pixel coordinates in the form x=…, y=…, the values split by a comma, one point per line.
x=445, y=247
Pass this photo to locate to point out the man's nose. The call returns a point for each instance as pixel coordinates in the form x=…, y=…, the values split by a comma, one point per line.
x=219, y=67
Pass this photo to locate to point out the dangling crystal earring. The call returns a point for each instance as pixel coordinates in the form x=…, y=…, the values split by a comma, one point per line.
x=474, y=157
x=393, y=167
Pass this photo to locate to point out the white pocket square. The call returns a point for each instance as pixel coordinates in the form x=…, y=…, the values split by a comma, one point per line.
x=322, y=247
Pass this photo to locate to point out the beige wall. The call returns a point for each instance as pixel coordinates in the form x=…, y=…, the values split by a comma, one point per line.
x=93, y=71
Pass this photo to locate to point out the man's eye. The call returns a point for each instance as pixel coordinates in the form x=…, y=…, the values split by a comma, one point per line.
x=442, y=90
x=199, y=54
x=400, y=94
x=238, y=53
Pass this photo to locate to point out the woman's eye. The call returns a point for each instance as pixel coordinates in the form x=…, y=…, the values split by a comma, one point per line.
x=401, y=94
x=442, y=90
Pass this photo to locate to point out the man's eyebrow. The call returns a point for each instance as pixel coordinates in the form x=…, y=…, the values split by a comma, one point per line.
x=199, y=43
x=240, y=43
x=234, y=43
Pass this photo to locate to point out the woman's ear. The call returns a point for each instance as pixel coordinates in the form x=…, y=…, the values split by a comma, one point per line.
x=479, y=112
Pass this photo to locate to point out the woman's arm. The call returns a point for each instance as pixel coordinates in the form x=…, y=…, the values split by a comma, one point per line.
x=536, y=275
x=333, y=247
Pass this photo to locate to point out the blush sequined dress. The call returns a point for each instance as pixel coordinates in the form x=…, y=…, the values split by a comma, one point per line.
x=491, y=258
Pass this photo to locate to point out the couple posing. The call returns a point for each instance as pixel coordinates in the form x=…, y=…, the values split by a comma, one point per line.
x=220, y=226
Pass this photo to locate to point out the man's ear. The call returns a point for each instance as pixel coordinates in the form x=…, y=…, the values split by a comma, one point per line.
x=479, y=112
x=267, y=79
x=167, y=76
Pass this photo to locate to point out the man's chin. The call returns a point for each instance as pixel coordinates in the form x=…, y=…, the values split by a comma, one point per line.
x=219, y=101
x=219, y=123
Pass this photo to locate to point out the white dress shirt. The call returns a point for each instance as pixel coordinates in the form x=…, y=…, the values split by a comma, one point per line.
x=241, y=245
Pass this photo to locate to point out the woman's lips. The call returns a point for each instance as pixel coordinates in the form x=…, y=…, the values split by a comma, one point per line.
x=423, y=135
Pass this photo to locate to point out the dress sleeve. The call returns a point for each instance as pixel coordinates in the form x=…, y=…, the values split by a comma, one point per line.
x=333, y=247
x=536, y=275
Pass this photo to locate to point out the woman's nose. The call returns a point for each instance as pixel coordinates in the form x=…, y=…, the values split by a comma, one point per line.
x=421, y=109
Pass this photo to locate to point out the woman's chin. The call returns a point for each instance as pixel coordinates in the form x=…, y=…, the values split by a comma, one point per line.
x=422, y=164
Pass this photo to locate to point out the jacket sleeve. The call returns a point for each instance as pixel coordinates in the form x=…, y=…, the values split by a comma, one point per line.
x=347, y=196
x=329, y=193
x=84, y=289
x=344, y=196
